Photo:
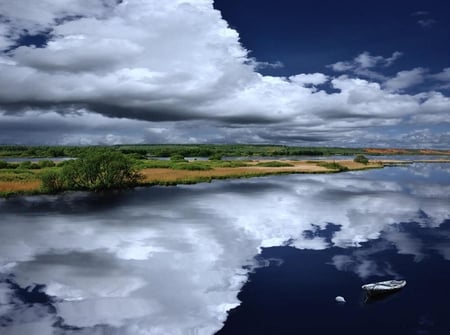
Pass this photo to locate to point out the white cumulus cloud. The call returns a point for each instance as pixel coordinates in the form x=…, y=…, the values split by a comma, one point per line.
x=178, y=62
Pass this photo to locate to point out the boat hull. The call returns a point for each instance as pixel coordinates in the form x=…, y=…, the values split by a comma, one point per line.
x=384, y=288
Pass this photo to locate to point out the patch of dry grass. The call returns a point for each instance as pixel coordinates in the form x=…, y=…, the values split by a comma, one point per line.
x=19, y=186
x=170, y=176
x=18, y=181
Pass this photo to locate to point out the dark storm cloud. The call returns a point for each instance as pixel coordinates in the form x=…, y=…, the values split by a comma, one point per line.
x=250, y=119
x=154, y=113
x=295, y=138
x=336, y=114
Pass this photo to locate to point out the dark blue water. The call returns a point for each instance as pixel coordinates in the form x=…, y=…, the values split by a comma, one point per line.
x=296, y=294
x=257, y=256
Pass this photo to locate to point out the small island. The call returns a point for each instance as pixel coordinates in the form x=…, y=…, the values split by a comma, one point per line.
x=40, y=170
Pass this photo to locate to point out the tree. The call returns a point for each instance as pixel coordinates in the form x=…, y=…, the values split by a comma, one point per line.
x=55, y=152
x=100, y=170
x=361, y=159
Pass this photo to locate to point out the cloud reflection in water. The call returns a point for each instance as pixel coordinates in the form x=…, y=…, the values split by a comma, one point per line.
x=172, y=260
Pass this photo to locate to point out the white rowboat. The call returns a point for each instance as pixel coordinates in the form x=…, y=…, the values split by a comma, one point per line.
x=384, y=287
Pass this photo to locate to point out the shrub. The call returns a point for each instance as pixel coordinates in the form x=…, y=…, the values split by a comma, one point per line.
x=361, y=159
x=46, y=163
x=52, y=182
x=215, y=157
x=63, y=163
x=25, y=165
x=101, y=170
x=333, y=165
x=177, y=158
x=3, y=164
x=136, y=156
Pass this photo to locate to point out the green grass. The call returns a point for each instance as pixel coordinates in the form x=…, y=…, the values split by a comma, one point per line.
x=332, y=165
x=184, y=165
x=154, y=164
x=274, y=164
x=200, y=179
x=17, y=175
x=191, y=166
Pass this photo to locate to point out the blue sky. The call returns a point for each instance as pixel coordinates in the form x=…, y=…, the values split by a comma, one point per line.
x=306, y=35
x=316, y=73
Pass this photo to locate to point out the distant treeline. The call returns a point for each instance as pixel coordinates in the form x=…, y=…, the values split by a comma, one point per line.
x=234, y=150
x=42, y=151
x=201, y=150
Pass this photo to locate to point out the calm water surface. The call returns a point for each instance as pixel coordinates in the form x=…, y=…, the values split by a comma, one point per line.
x=257, y=256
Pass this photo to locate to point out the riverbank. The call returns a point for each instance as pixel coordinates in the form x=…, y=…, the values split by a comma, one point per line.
x=172, y=177
x=28, y=182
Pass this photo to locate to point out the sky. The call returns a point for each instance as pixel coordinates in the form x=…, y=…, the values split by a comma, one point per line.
x=310, y=73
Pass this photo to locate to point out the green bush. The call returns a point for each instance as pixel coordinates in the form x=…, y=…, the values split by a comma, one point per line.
x=3, y=164
x=136, y=156
x=25, y=165
x=216, y=157
x=361, y=159
x=46, y=163
x=63, y=163
x=101, y=170
x=333, y=165
x=52, y=182
x=177, y=158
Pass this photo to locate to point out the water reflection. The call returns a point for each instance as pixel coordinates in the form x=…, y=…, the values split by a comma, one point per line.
x=371, y=299
x=173, y=260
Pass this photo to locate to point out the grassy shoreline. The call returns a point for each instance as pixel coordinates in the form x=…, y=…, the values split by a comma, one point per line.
x=27, y=182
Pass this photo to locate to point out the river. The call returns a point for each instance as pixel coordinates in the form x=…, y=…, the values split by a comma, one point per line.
x=252, y=256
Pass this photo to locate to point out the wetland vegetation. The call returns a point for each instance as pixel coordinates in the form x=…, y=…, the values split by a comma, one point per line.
x=100, y=168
